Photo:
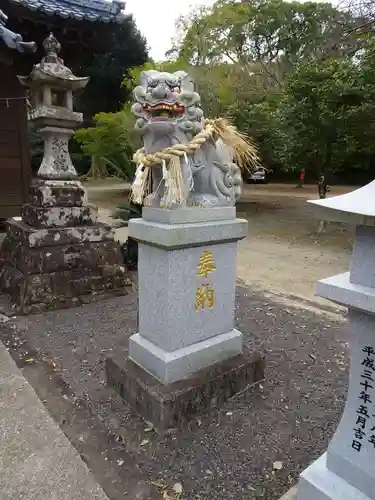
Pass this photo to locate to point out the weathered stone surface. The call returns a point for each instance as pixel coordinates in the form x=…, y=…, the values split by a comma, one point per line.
x=173, y=405
x=41, y=217
x=57, y=193
x=49, y=259
x=56, y=163
x=36, y=238
x=11, y=281
x=61, y=289
x=64, y=258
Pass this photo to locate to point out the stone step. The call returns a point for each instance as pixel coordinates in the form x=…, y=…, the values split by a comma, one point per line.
x=57, y=193
x=37, y=460
x=47, y=217
x=60, y=257
x=36, y=238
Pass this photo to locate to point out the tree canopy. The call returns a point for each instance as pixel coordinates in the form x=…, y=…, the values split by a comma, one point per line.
x=298, y=77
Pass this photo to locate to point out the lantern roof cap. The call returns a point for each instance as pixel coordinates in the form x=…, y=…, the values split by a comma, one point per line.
x=357, y=207
x=51, y=70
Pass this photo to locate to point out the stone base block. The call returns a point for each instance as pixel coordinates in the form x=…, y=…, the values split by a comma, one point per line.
x=181, y=235
x=174, y=405
x=33, y=293
x=188, y=214
x=57, y=193
x=319, y=483
x=169, y=367
x=46, y=217
x=59, y=257
x=36, y=238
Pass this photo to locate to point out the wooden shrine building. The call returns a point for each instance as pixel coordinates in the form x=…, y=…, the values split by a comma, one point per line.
x=79, y=25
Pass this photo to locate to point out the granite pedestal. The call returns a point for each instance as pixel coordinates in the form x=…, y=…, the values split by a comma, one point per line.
x=59, y=255
x=187, y=278
x=347, y=469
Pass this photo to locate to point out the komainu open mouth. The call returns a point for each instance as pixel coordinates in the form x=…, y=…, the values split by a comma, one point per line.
x=164, y=111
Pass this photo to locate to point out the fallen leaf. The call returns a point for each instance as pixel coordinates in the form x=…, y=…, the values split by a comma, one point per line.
x=177, y=488
x=29, y=361
x=277, y=465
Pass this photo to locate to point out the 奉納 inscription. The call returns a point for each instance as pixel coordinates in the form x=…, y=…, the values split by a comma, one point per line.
x=205, y=295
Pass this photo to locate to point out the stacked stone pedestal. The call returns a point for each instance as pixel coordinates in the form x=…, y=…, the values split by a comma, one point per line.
x=187, y=356
x=59, y=255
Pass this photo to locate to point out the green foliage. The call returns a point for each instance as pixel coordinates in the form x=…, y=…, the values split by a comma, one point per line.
x=297, y=77
x=273, y=34
x=112, y=141
x=327, y=115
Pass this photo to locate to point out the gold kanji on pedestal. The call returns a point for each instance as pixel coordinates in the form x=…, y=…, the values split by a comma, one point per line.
x=204, y=295
x=206, y=265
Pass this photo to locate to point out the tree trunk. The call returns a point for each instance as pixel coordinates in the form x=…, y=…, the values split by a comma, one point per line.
x=322, y=183
x=98, y=169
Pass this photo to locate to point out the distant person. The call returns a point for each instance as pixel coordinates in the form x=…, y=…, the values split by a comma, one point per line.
x=322, y=187
x=301, y=178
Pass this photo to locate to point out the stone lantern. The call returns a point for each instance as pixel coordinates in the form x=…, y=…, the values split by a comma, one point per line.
x=347, y=470
x=59, y=255
x=53, y=85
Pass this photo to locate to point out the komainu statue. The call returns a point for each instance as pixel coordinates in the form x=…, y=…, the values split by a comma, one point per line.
x=186, y=160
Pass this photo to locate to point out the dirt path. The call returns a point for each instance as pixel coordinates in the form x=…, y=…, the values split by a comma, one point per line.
x=281, y=268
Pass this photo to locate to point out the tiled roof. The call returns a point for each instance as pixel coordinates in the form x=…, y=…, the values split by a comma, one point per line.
x=91, y=10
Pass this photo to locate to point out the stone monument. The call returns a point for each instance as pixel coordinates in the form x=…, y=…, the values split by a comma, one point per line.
x=58, y=255
x=187, y=356
x=347, y=470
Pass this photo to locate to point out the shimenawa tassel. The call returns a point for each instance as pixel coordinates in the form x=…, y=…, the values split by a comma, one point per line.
x=139, y=184
x=175, y=183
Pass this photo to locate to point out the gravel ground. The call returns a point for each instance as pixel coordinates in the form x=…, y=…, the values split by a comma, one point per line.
x=229, y=454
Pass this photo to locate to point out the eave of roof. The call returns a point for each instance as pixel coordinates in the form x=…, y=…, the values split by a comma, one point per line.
x=80, y=10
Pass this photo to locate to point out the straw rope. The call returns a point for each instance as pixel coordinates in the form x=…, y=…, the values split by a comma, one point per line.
x=152, y=159
x=244, y=152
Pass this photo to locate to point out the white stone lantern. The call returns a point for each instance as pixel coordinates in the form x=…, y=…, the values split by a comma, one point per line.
x=347, y=470
x=53, y=85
